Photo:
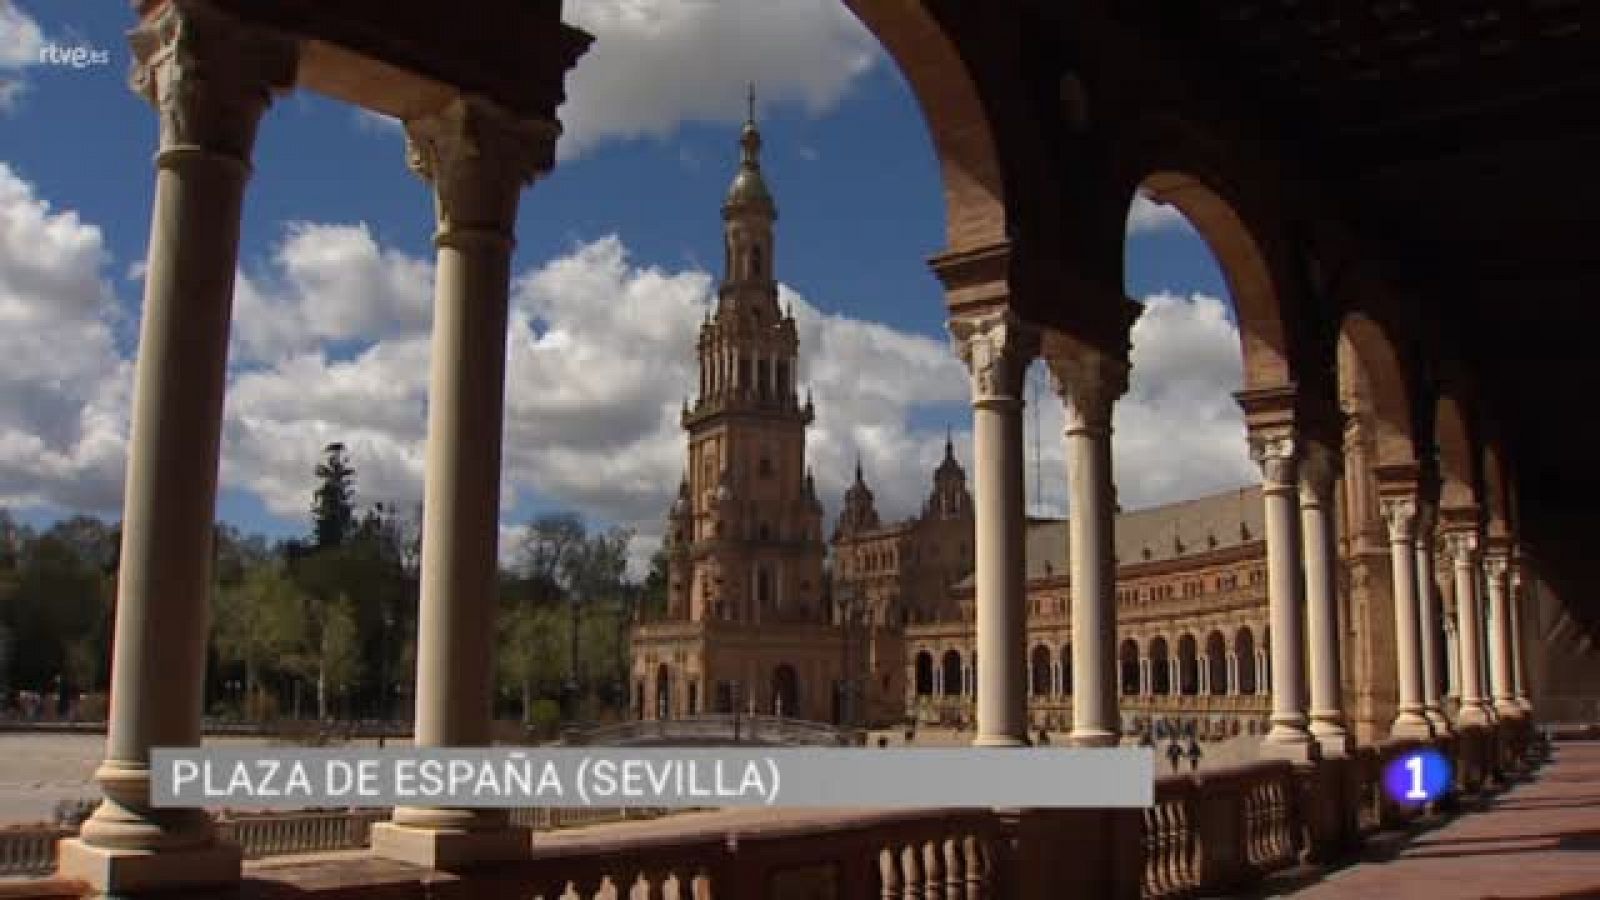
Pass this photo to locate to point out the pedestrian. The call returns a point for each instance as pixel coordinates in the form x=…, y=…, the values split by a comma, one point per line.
x=1174, y=755
x=1194, y=754
x=1044, y=737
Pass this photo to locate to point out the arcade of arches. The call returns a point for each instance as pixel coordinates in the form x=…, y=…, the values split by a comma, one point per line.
x=1392, y=198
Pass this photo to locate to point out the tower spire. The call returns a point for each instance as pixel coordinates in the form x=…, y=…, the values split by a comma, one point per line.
x=750, y=104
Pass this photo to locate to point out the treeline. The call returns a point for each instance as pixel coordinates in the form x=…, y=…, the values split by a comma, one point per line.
x=326, y=625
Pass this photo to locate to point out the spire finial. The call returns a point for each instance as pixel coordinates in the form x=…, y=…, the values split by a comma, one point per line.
x=750, y=103
x=859, y=479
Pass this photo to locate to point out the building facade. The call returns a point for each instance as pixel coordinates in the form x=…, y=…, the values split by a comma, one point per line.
x=746, y=624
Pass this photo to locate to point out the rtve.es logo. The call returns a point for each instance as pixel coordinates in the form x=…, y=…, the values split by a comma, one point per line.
x=76, y=56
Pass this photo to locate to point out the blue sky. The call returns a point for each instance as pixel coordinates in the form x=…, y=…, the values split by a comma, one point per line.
x=632, y=210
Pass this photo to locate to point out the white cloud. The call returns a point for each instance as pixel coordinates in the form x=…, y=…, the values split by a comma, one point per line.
x=333, y=344
x=656, y=64
x=63, y=386
x=20, y=42
x=1146, y=216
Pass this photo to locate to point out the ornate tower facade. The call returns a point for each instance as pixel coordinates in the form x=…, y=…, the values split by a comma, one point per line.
x=744, y=537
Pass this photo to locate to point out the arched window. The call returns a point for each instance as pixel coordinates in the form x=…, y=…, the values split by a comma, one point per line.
x=1039, y=669
x=755, y=261
x=952, y=673
x=924, y=674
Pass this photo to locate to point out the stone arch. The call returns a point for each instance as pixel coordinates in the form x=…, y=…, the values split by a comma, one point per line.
x=1039, y=669
x=1374, y=387
x=1160, y=671
x=924, y=674
x=663, y=691
x=1497, y=506
x=958, y=121
x=1217, y=662
x=1188, y=666
x=1128, y=665
x=1244, y=652
x=951, y=672
x=1174, y=162
x=1452, y=438
x=786, y=691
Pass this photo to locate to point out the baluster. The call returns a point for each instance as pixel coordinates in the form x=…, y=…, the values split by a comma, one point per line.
x=910, y=863
x=1152, y=851
x=955, y=876
x=932, y=871
x=1178, y=855
x=889, y=874
x=979, y=869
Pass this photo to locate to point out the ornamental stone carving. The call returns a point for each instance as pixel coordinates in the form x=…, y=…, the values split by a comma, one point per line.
x=997, y=348
x=1274, y=451
x=1088, y=378
x=478, y=156
x=1495, y=566
x=1462, y=545
x=209, y=76
x=1400, y=514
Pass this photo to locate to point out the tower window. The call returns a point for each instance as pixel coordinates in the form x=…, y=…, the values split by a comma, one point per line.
x=755, y=261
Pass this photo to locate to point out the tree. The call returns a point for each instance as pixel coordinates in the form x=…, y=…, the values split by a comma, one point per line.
x=258, y=624
x=653, y=593
x=332, y=504
x=545, y=558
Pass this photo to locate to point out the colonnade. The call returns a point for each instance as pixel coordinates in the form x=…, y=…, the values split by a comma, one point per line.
x=210, y=78
x=1300, y=466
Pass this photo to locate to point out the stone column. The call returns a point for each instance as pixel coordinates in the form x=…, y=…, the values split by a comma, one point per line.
x=997, y=349
x=1400, y=513
x=1519, y=666
x=1428, y=620
x=1497, y=564
x=1463, y=550
x=1276, y=453
x=1146, y=687
x=1452, y=660
x=1232, y=686
x=1089, y=381
x=210, y=79
x=1317, y=472
x=1203, y=682
x=477, y=157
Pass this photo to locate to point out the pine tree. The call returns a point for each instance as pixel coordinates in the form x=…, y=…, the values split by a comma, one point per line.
x=332, y=504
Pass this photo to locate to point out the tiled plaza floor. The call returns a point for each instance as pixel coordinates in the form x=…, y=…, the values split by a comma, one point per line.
x=1540, y=838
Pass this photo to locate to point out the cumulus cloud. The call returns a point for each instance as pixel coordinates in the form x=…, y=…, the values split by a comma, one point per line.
x=332, y=344
x=656, y=64
x=63, y=386
x=20, y=42
x=1146, y=216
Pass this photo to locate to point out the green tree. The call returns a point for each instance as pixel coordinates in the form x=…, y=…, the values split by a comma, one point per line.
x=333, y=503
x=653, y=593
x=257, y=623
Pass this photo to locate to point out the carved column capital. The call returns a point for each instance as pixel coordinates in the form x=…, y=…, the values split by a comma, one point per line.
x=1495, y=564
x=1318, y=470
x=1275, y=451
x=1400, y=514
x=997, y=348
x=209, y=76
x=1088, y=378
x=478, y=156
x=1462, y=545
x=1427, y=518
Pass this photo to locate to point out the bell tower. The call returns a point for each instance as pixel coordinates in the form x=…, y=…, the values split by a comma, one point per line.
x=751, y=548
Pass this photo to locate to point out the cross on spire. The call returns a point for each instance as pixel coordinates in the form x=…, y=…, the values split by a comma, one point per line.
x=750, y=103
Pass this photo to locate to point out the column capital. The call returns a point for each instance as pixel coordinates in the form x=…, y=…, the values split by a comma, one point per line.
x=997, y=348
x=1088, y=378
x=1400, y=514
x=1496, y=562
x=209, y=76
x=1276, y=451
x=478, y=156
x=1427, y=518
x=1462, y=545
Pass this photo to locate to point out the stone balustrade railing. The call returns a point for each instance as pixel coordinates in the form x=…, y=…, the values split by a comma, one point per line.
x=31, y=851
x=1208, y=833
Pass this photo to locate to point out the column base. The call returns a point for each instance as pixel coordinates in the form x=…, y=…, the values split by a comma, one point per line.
x=1509, y=708
x=1440, y=722
x=116, y=870
x=435, y=849
x=1329, y=733
x=1474, y=714
x=999, y=740
x=1288, y=730
x=1093, y=737
x=1411, y=725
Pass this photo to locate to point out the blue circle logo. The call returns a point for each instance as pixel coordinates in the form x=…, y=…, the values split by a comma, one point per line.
x=1417, y=778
